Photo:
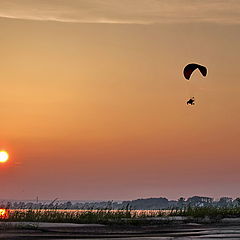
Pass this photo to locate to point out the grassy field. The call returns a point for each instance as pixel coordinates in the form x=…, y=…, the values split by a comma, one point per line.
x=210, y=212
x=78, y=216
x=117, y=216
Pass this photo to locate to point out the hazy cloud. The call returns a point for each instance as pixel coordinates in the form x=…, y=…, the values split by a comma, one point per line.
x=123, y=11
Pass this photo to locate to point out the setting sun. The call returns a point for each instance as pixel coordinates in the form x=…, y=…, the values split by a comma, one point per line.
x=3, y=156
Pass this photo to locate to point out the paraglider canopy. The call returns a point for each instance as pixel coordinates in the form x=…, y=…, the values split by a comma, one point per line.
x=188, y=70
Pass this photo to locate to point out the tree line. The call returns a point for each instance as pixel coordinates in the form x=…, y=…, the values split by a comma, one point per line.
x=160, y=203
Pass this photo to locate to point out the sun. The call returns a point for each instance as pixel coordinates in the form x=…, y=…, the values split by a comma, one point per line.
x=3, y=156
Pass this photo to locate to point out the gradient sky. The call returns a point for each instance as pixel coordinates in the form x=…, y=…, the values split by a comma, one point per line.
x=93, y=98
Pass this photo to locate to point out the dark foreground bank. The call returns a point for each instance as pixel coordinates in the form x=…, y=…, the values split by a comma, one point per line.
x=174, y=229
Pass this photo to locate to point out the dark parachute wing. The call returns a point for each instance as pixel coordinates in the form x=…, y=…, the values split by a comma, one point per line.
x=188, y=70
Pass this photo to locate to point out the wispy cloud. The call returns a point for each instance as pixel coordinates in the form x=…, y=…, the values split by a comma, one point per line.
x=123, y=11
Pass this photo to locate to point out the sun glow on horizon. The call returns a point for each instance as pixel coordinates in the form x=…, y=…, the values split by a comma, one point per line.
x=4, y=213
x=3, y=156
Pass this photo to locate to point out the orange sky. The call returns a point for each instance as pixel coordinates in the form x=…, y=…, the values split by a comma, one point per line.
x=96, y=110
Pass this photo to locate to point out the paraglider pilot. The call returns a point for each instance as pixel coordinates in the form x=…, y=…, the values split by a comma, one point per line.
x=187, y=72
x=191, y=101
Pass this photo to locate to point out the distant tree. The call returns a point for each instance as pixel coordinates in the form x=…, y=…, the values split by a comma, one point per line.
x=225, y=202
x=237, y=200
x=198, y=201
x=181, y=202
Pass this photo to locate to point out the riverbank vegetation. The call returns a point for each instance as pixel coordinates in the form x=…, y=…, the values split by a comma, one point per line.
x=77, y=216
x=207, y=212
x=186, y=214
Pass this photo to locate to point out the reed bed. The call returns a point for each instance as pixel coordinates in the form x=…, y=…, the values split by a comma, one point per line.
x=116, y=216
x=78, y=216
x=210, y=212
